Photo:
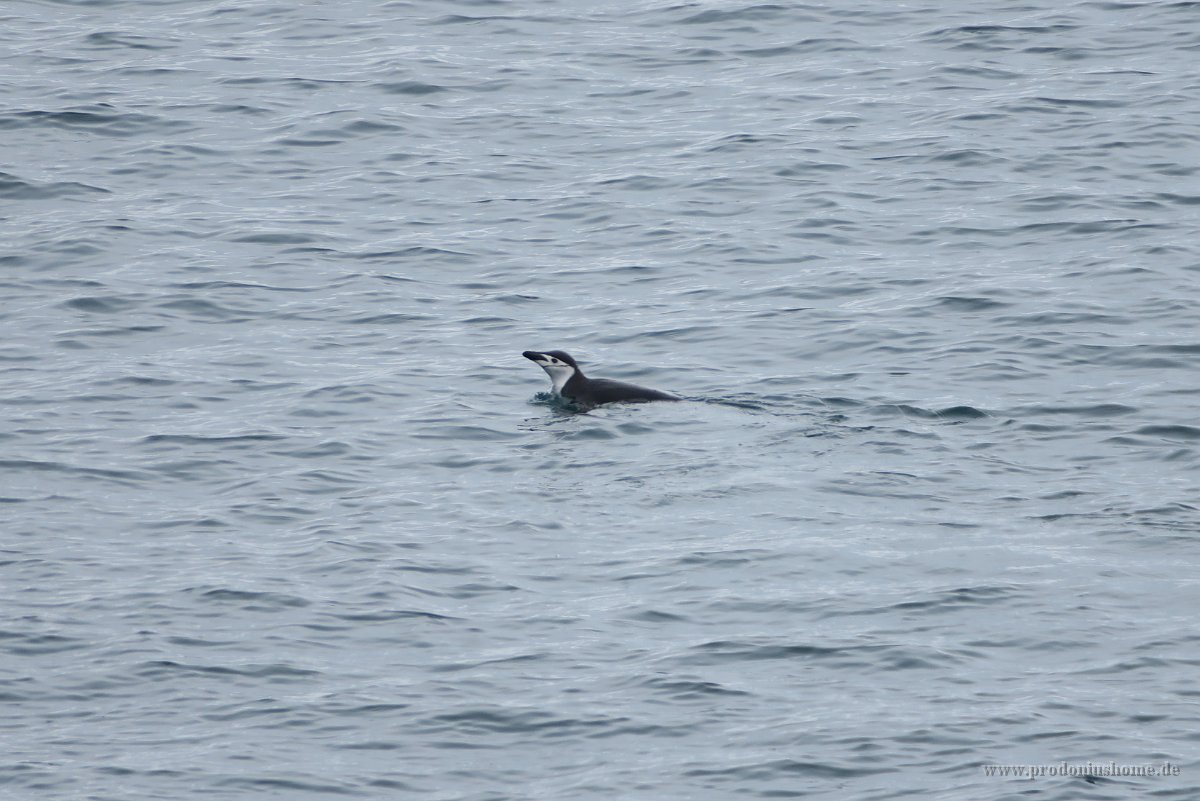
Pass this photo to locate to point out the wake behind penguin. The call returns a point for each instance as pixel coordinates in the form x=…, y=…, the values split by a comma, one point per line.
x=570, y=384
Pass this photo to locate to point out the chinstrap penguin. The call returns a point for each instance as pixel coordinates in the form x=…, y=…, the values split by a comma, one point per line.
x=570, y=382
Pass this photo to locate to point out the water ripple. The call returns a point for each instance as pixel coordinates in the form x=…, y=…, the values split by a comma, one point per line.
x=286, y=512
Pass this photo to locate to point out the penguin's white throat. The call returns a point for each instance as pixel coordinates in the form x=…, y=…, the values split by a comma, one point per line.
x=559, y=374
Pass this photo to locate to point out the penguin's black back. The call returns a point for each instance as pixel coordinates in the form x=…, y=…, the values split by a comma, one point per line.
x=596, y=391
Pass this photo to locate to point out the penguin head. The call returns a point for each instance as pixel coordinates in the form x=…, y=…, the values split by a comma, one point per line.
x=558, y=365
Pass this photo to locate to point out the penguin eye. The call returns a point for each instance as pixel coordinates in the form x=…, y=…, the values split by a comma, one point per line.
x=553, y=360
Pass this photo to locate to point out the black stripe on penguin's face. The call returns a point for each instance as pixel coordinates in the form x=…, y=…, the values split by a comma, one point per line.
x=550, y=357
x=561, y=356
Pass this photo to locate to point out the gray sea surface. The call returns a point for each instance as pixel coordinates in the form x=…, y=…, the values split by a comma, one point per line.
x=284, y=513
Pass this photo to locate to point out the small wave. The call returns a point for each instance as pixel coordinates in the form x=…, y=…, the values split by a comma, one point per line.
x=199, y=439
x=411, y=88
x=690, y=690
x=948, y=413
x=259, y=601
x=40, y=644
x=15, y=188
x=166, y=668
x=387, y=615
x=129, y=41
x=276, y=238
x=205, y=309
x=1170, y=431
x=969, y=304
x=100, y=305
x=1099, y=410
x=753, y=12
x=789, y=769
x=501, y=720
x=101, y=119
x=120, y=476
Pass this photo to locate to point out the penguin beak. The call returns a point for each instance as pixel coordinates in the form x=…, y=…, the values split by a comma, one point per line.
x=534, y=356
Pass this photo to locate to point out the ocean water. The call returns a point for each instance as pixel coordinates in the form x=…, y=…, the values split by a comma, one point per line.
x=286, y=515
